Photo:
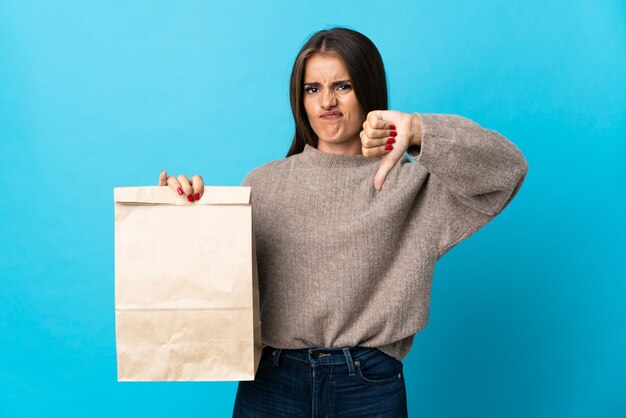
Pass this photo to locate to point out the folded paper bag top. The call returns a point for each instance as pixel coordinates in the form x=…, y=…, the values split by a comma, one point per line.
x=186, y=285
x=212, y=195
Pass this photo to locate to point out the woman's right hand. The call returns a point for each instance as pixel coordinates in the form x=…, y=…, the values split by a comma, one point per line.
x=191, y=188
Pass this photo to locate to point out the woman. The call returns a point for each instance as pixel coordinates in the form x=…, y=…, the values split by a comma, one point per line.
x=348, y=230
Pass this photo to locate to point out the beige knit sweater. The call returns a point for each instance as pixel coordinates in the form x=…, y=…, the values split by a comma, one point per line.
x=341, y=264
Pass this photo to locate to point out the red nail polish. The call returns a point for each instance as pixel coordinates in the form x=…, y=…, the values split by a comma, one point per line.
x=180, y=191
x=190, y=197
x=392, y=127
x=391, y=141
x=393, y=133
x=197, y=196
x=388, y=147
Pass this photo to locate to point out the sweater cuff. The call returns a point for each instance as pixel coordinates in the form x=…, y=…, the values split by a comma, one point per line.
x=430, y=129
x=414, y=150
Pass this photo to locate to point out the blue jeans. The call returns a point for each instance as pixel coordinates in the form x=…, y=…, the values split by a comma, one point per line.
x=324, y=382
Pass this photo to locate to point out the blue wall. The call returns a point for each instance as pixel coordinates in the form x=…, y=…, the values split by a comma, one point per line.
x=527, y=316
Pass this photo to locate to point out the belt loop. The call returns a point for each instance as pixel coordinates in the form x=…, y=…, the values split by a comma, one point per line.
x=276, y=354
x=346, y=352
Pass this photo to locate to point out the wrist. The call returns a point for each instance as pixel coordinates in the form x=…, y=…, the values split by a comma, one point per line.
x=417, y=129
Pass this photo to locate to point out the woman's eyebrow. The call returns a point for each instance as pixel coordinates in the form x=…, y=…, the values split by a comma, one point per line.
x=315, y=83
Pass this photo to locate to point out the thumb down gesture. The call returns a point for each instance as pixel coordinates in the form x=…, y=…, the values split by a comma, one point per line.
x=388, y=134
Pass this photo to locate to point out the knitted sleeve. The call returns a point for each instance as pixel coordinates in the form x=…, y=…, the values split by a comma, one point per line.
x=477, y=173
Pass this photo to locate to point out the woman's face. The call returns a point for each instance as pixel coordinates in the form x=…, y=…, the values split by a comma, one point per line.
x=331, y=105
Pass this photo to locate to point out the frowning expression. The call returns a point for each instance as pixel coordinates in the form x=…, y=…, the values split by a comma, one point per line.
x=330, y=102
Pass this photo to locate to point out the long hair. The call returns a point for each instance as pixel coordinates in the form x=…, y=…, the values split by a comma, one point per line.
x=364, y=65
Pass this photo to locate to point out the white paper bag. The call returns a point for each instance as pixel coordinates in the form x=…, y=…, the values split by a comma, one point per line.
x=186, y=286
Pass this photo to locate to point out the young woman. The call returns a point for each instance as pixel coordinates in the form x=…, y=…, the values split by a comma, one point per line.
x=348, y=230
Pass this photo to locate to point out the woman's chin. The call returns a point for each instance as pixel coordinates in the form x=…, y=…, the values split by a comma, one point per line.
x=333, y=132
x=336, y=137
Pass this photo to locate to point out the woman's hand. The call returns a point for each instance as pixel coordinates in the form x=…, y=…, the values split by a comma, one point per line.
x=388, y=133
x=192, y=188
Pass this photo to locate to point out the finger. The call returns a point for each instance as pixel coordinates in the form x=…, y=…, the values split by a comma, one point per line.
x=375, y=120
x=387, y=142
x=378, y=128
x=375, y=132
x=184, y=182
x=174, y=184
x=382, y=137
x=381, y=174
x=163, y=178
x=367, y=143
x=198, y=186
x=374, y=148
x=385, y=149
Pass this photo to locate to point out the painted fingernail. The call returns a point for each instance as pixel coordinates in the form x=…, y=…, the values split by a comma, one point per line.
x=391, y=140
x=388, y=147
x=190, y=197
x=180, y=191
x=197, y=196
x=393, y=133
x=392, y=127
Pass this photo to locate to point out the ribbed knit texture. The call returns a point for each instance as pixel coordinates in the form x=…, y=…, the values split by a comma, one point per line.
x=341, y=264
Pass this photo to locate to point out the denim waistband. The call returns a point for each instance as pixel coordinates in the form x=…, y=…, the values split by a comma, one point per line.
x=320, y=355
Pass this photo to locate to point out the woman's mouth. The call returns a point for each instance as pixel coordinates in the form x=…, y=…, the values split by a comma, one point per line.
x=331, y=115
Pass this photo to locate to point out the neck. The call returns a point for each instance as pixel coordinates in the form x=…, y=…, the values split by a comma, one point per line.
x=314, y=157
x=352, y=147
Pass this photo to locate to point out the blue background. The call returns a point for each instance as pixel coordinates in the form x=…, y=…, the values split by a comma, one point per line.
x=527, y=315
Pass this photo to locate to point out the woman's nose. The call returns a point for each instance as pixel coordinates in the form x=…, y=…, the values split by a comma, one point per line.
x=329, y=99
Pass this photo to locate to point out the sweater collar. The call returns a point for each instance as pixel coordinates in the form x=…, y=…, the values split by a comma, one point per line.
x=319, y=158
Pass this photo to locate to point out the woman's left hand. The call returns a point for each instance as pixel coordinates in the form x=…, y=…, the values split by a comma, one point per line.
x=389, y=127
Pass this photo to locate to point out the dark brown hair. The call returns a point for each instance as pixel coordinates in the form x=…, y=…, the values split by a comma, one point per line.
x=364, y=64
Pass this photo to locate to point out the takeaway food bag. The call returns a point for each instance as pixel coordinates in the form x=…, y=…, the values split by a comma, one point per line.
x=186, y=286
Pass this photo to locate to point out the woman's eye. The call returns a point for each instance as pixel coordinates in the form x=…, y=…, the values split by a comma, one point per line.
x=341, y=87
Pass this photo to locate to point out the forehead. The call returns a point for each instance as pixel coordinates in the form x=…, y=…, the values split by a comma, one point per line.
x=320, y=67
